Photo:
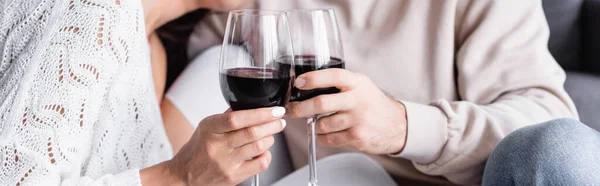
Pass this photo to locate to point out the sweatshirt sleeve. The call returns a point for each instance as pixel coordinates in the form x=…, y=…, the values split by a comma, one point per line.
x=506, y=79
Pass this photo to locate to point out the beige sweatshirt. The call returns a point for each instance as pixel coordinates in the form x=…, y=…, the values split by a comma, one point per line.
x=469, y=72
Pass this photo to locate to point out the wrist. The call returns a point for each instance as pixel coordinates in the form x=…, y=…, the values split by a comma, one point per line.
x=402, y=124
x=161, y=174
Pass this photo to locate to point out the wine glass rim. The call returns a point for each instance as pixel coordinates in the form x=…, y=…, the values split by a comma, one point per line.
x=328, y=10
x=258, y=12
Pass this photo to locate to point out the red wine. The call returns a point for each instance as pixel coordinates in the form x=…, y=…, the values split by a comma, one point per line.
x=251, y=88
x=304, y=64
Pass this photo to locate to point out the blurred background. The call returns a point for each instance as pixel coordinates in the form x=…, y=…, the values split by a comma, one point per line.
x=574, y=42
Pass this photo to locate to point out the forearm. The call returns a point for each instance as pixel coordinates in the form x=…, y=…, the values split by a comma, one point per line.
x=179, y=130
x=505, y=79
x=453, y=139
x=158, y=59
x=159, y=175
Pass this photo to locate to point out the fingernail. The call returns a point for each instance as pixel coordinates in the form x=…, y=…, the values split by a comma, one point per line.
x=278, y=112
x=299, y=82
x=283, y=123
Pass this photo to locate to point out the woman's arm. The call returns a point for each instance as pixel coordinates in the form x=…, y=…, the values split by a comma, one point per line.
x=178, y=128
x=159, y=12
x=67, y=81
x=79, y=67
x=158, y=58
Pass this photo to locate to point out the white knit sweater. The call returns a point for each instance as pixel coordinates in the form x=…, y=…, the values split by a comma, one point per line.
x=77, y=103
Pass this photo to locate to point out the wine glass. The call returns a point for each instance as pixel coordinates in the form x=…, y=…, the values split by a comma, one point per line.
x=317, y=46
x=256, y=45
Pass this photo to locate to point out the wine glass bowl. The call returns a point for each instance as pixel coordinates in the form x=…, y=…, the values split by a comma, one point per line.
x=317, y=46
x=250, y=66
x=308, y=63
x=256, y=87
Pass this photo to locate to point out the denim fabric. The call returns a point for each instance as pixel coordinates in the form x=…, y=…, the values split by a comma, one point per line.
x=558, y=152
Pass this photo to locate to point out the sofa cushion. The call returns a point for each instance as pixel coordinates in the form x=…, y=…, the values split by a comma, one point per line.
x=564, y=43
x=585, y=91
x=591, y=32
x=175, y=37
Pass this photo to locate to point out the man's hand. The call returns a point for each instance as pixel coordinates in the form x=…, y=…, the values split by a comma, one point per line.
x=365, y=118
x=159, y=12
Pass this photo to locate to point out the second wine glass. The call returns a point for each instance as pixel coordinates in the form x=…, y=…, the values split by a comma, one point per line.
x=317, y=46
x=252, y=73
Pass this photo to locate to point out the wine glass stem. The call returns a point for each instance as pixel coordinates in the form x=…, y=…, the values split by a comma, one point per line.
x=312, y=152
x=255, y=180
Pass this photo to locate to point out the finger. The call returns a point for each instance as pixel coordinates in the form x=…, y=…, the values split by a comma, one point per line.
x=322, y=104
x=253, y=149
x=255, y=166
x=242, y=137
x=333, y=77
x=236, y=120
x=334, y=123
x=336, y=139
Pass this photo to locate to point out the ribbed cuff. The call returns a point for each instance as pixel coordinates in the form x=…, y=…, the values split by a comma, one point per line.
x=426, y=135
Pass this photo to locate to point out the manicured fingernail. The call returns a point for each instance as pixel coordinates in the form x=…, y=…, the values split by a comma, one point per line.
x=299, y=82
x=283, y=123
x=278, y=111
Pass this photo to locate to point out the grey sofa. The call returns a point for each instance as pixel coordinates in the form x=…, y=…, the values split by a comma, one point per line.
x=575, y=44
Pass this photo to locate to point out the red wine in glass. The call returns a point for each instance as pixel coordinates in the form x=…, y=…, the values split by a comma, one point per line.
x=317, y=45
x=250, y=75
x=251, y=88
x=307, y=63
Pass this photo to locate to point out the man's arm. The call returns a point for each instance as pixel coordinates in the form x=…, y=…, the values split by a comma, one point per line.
x=507, y=79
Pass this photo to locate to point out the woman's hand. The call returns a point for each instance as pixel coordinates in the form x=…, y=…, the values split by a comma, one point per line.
x=226, y=149
x=365, y=118
x=159, y=12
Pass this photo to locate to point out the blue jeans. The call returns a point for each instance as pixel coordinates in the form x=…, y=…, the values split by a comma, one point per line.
x=558, y=152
